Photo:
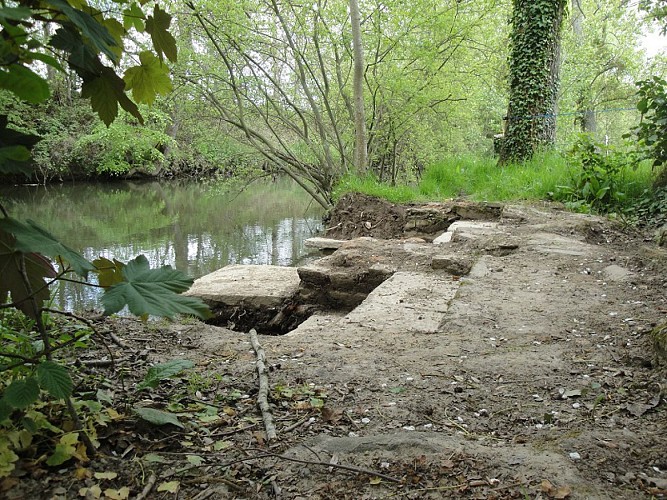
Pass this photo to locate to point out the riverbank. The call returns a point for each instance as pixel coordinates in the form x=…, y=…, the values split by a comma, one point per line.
x=531, y=372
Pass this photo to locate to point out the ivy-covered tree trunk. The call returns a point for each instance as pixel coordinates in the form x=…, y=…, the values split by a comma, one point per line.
x=534, y=77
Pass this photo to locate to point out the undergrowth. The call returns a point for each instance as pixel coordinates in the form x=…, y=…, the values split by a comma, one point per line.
x=590, y=179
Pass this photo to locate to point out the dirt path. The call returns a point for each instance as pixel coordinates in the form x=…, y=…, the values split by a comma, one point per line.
x=538, y=371
x=533, y=376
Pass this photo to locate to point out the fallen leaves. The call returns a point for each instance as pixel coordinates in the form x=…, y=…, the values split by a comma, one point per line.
x=557, y=492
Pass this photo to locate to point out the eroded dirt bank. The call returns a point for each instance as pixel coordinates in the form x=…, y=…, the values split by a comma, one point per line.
x=529, y=375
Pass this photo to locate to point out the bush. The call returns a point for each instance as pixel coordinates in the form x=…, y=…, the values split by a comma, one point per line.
x=598, y=183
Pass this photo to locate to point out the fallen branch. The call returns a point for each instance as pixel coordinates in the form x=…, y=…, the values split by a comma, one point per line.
x=349, y=468
x=263, y=454
x=263, y=394
x=147, y=489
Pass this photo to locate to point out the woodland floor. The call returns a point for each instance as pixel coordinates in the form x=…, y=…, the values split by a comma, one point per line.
x=540, y=382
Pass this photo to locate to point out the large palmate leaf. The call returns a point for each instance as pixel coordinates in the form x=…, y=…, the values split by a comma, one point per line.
x=106, y=92
x=149, y=79
x=109, y=272
x=152, y=291
x=163, y=41
x=24, y=83
x=133, y=17
x=13, y=282
x=95, y=32
x=81, y=57
x=30, y=237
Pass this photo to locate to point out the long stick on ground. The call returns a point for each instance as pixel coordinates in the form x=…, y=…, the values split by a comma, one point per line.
x=263, y=394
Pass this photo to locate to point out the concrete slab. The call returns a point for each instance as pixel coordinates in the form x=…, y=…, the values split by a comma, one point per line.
x=406, y=302
x=323, y=243
x=557, y=244
x=317, y=323
x=258, y=286
x=466, y=229
x=445, y=237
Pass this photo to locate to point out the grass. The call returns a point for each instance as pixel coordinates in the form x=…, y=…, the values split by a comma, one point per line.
x=481, y=179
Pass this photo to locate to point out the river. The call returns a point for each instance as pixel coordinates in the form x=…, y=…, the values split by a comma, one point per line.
x=193, y=226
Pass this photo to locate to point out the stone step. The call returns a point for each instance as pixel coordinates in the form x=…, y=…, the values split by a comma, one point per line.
x=254, y=286
x=405, y=302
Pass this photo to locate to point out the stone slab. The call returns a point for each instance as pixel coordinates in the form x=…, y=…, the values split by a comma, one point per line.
x=617, y=273
x=453, y=264
x=557, y=244
x=406, y=302
x=317, y=323
x=323, y=243
x=466, y=229
x=445, y=237
x=256, y=286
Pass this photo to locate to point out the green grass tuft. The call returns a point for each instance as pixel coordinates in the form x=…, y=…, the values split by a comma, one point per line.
x=481, y=179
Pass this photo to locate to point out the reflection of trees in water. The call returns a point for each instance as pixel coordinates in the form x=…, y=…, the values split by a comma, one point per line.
x=192, y=227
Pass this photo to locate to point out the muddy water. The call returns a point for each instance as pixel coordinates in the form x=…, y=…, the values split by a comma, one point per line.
x=193, y=226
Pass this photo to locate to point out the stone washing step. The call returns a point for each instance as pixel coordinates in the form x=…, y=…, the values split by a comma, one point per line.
x=405, y=302
x=251, y=285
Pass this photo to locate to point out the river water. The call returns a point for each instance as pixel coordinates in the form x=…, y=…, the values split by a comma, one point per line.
x=193, y=226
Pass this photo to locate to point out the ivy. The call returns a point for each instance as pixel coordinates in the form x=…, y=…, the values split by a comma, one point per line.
x=533, y=65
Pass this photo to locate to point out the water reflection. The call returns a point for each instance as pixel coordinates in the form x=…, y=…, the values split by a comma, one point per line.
x=194, y=227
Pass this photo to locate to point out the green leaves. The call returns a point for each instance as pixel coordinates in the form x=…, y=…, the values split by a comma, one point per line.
x=164, y=371
x=106, y=91
x=15, y=149
x=152, y=291
x=157, y=417
x=651, y=130
x=30, y=237
x=133, y=18
x=163, y=41
x=24, y=83
x=21, y=393
x=54, y=379
x=13, y=264
x=149, y=79
x=96, y=33
x=84, y=34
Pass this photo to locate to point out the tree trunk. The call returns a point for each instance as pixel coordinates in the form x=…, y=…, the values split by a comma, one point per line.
x=586, y=113
x=360, y=152
x=534, y=78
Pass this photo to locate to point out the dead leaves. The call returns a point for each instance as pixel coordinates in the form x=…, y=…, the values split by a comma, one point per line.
x=557, y=492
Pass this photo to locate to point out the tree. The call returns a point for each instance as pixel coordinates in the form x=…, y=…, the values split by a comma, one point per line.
x=360, y=137
x=601, y=57
x=534, y=66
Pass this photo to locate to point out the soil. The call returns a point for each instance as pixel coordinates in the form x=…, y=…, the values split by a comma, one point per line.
x=539, y=380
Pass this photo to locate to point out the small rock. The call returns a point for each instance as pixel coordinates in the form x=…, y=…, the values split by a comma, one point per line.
x=575, y=456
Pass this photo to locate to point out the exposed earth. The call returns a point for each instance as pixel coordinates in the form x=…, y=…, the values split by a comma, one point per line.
x=515, y=360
